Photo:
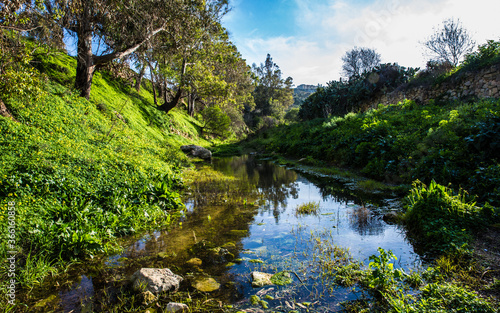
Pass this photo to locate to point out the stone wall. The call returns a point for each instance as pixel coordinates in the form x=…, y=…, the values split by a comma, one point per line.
x=482, y=84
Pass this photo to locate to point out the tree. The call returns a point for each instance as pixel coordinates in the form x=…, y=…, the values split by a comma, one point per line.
x=217, y=123
x=450, y=43
x=120, y=27
x=273, y=95
x=359, y=60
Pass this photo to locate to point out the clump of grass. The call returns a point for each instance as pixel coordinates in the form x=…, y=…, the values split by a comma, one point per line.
x=442, y=220
x=307, y=208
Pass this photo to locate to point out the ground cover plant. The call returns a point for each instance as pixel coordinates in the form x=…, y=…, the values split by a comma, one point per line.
x=82, y=173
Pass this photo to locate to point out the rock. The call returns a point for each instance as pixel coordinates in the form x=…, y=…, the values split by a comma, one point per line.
x=260, y=279
x=148, y=297
x=197, y=151
x=390, y=217
x=177, y=307
x=211, y=254
x=194, y=262
x=156, y=280
x=205, y=284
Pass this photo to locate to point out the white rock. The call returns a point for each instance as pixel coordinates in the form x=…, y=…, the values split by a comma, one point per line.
x=177, y=307
x=156, y=280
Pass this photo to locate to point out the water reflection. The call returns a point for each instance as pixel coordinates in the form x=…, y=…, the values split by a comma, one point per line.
x=264, y=228
x=364, y=222
x=275, y=183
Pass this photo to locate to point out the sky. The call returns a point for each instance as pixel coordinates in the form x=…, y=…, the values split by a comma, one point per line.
x=307, y=38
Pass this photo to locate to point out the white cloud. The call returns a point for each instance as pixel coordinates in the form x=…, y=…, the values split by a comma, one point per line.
x=394, y=28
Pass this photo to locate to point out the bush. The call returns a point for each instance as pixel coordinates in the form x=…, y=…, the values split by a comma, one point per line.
x=486, y=54
x=442, y=221
x=217, y=122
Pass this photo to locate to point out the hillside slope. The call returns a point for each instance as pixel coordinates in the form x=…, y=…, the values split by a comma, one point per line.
x=77, y=174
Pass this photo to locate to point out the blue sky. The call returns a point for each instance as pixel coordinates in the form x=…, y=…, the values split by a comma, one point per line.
x=307, y=38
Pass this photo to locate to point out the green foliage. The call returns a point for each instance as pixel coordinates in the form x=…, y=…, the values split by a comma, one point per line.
x=341, y=97
x=443, y=220
x=217, y=122
x=449, y=142
x=19, y=79
x=382, y=275
x=397, y=292
x=272, y=96
x=447, y=297
x=84, y=173
x=292, y=115
x=485, y=55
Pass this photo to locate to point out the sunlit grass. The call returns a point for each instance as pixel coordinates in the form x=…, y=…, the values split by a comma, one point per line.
x=308, y=208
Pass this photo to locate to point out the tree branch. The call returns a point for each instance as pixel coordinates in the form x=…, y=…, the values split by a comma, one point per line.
x=102, y=59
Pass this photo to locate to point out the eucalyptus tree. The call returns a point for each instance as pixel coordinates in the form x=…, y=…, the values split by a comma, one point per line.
x=118, y=27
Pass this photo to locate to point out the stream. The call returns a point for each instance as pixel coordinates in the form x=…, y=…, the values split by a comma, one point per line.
x=266, y=234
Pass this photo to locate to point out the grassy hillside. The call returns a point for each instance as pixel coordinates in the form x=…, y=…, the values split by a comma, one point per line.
x=78, y=174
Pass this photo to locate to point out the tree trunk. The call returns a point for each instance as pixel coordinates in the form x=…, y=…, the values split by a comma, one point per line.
x=5, y=112
x=169, y=105
x=138, y=79
x=191, y=102
x=153, y=85
x=164, y=90
x=85, y=66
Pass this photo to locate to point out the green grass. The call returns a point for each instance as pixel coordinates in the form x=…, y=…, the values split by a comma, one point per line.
x=307, y=208
x=83, y=173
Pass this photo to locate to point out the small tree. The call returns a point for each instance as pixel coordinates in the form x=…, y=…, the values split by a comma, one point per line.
x=359, y=60
x=217, y=123
x=450, y=43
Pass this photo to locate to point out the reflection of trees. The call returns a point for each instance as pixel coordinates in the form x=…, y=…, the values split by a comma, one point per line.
x=275, y=183
x=341, y=192
x=363, y=222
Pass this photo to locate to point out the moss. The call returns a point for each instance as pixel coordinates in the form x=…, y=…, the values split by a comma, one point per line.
x=281, y=278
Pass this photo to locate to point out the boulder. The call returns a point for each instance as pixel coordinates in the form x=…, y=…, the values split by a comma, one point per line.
x=156, y=280
x=260, y=279
x=197, y=151
x=177, y=307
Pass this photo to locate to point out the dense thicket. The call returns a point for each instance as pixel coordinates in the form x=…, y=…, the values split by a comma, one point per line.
x=341, y=97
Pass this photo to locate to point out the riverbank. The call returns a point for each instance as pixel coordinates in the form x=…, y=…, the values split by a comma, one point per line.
x=77, y=175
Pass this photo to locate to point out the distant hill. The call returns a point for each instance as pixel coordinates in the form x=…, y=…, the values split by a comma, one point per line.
x=301, y=92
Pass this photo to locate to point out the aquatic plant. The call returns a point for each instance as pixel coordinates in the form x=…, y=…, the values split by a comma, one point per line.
x=307, y=208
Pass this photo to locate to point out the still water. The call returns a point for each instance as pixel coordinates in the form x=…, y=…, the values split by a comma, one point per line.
x=265, y=234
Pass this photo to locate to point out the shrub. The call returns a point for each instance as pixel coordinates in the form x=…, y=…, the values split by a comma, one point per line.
x=442, y=220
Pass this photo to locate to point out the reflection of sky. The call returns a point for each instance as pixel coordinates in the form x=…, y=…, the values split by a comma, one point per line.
x=276, y=235
x=78, y=299
x=362, y=236
x=346, y=224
